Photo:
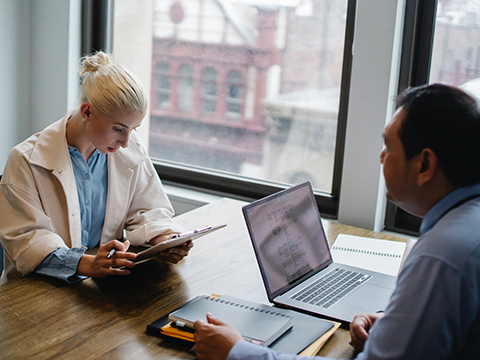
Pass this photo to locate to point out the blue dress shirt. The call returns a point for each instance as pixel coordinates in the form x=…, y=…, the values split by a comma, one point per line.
x=92, y=185
x=434, y=312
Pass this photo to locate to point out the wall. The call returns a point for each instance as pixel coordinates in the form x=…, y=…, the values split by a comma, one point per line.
x=39, y=81
x=14, y=73
x=376, y=53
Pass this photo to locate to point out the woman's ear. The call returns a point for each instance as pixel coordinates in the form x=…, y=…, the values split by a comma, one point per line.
x=85, y=111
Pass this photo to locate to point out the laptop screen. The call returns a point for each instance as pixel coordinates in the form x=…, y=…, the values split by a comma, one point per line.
x=288, y=237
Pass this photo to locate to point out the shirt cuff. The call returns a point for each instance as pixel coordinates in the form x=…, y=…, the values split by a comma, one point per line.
x=246, y=350
x=62, y=264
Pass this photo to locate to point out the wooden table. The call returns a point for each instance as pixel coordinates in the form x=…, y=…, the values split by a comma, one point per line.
x=41, y=318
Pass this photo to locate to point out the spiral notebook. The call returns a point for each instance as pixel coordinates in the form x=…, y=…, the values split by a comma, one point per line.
x=305, y=337
x=384, y=256
x=257, y=323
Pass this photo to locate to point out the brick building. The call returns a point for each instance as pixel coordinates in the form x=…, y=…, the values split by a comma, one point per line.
x=237, y=84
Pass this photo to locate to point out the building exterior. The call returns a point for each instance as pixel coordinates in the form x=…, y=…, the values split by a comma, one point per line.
x=209, y=75
x=249, y=88
x=456, y=48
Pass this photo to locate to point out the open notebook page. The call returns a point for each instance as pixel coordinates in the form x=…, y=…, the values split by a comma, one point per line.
x=384, y=256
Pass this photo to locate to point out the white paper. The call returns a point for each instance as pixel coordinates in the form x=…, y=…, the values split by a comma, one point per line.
x=384, y=256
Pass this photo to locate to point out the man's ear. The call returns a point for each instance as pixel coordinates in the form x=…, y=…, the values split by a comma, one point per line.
x=427, y=167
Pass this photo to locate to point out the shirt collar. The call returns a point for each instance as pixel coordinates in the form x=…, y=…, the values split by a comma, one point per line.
x=73, y=150
x=442, y=207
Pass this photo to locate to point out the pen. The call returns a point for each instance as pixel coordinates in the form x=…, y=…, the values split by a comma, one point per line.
x=114, y=250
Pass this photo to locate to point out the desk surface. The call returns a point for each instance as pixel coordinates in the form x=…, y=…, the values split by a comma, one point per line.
x=41, y=318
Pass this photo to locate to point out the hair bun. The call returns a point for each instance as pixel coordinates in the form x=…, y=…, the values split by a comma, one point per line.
x=90, y=64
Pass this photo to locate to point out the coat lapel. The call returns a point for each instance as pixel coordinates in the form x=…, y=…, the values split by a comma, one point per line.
x=51, y=153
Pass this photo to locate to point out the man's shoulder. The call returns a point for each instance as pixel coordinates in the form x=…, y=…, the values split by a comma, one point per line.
x=455, y=238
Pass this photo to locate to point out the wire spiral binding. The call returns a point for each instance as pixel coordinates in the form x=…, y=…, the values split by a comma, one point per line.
x=368, y=252
x=246, y=307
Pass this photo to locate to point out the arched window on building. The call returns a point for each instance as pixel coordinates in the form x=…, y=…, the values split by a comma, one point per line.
x=186, y=92
x=209, y=90
x=163, y=85
x=235, y=86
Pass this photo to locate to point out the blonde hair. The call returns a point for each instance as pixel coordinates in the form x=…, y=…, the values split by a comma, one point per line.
x=110, y=87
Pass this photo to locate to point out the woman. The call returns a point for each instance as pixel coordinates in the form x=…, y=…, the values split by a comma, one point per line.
x=83, y=180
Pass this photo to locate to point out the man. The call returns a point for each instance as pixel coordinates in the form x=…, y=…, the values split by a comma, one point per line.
x=431, y=164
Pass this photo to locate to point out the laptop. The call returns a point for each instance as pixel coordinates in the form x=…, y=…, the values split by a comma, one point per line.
x=296, y=264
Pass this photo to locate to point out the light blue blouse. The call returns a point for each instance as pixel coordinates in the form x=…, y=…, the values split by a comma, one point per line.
x=92, y=186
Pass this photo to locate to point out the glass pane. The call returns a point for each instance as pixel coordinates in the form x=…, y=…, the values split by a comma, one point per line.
x=186, y=71
x=234, y=91
x=163, y=99
x=456, y=49
x=260, y=97
x=210, y=73
x=185, y=88
x=164, y=82
x=209, y=82
x=234, y=108
x=210, y=88
x=209, y=105
x=163, y=68
x=235, y=76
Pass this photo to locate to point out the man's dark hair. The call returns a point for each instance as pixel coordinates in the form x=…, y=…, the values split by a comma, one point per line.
x=446, y=120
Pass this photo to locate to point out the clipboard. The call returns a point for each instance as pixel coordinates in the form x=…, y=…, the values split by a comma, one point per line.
x=176, y=240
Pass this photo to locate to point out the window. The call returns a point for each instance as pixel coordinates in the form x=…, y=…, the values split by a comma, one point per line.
x=209, y=90
x=440, y=45
x=247, y=96
x=163, y=85
x=185, y=91
x=457, y=33
x=234, y=93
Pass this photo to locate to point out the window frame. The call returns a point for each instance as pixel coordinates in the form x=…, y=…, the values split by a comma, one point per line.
x=97, y=26
x=417, y=47
x=236, y=186
x=224, y=184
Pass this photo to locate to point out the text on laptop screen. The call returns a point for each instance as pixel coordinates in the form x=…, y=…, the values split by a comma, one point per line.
x=288, y=237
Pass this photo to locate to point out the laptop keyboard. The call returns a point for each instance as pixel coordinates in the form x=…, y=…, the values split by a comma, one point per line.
x=330, y=288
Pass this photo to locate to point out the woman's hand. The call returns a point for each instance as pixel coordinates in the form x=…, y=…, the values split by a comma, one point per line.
x=174, y=254
x=100, y=266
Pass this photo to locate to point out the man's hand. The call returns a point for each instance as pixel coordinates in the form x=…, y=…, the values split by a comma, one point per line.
x=359, y=328
x=100, y=266
x=215, y=339
x=175, y=254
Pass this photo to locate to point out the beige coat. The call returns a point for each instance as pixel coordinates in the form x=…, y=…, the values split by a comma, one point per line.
x=39, y=204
